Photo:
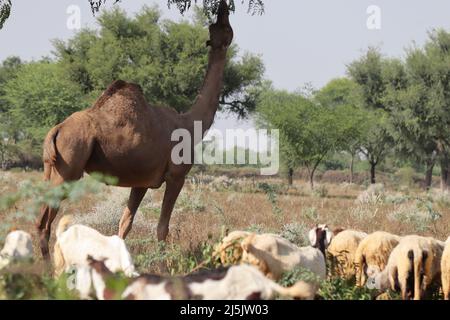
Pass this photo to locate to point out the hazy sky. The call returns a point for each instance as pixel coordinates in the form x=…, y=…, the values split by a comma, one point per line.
x=300, y=41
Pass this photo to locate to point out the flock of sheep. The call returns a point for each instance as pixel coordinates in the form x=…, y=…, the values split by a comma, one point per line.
x=412, y=265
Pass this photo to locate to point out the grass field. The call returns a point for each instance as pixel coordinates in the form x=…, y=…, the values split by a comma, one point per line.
x=211, y=205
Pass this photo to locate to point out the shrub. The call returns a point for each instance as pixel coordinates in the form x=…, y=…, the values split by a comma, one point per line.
x=373, y=195
x=320, y=191
x=295, y=233
x=332, y=289
x=311, y=213
x=419, y=213
x=405, y=176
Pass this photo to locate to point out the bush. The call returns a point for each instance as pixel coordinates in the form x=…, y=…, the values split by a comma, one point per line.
x=295, y=233
x=320, y=191
x=332, y=289
x=420, y=214
x=373, y=195
x=405, y=176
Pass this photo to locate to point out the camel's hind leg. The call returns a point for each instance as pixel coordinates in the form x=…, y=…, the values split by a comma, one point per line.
x=71, y=158
x=48, y=214
x=134, y=201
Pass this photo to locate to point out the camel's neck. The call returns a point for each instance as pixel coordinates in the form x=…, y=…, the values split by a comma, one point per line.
x=207, y=101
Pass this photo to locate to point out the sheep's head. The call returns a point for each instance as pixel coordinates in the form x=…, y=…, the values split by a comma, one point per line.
x=320, y=237
x=221, y=33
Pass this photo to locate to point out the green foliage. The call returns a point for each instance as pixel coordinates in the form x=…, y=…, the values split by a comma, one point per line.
x=5, y=11
x=271, y=191
x=174, y=260
x=405, y=176
x=419, y=108
x=167, y=59
x=23, y=281
x=331, y=289
x=320, y=191
x=209, y=6
x=373, y=73
x=309, y=130
x=340, y=289
x=36, y=194
x=289, y=278
x=39, y=97
x=296, y=233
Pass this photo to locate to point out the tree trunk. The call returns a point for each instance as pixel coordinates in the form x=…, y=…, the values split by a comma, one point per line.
x=311, y=178
x=290, y=176
x=351, y=168
x=429, y=175
x=372, y=172
x=444, y=173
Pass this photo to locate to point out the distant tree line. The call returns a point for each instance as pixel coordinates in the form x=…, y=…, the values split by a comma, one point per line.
x=386, y=107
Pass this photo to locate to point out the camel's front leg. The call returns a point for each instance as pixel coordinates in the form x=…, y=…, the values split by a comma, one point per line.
x=134, y=201
x=173, y=188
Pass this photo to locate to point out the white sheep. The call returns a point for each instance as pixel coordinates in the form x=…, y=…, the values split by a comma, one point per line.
x=238, y=282
x=372, y=254
x=414, y=264
x=18, y=247
x=274, y=255
x=445, y=270
x=75, y=243
x=342, y=249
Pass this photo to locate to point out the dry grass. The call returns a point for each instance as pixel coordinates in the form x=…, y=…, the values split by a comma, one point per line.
x=210, y=205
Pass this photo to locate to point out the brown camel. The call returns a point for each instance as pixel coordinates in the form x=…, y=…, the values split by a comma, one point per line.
x=123, y=136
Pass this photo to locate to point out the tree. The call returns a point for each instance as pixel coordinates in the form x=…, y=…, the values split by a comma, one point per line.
x=8, y=70
x=377, y=140
x=167, y=59
x=341, y=94
x=308, y=131
x=369, y=73
x=419, y=104
x=38, y=97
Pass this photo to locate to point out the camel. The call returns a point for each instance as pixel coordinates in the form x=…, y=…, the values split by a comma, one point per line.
x=121, y=135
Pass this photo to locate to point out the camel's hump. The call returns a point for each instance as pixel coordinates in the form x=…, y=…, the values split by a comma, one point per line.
x=114, y=88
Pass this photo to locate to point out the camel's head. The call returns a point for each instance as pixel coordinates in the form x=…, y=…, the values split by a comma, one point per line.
x=221, y=33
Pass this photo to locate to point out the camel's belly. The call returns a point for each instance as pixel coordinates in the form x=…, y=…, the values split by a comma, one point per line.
x=133, y=168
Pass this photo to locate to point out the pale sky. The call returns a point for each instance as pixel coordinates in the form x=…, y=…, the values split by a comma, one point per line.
x=300, y=41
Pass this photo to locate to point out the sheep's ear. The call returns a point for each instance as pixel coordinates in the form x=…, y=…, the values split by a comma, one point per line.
x=312, y=237
x=328, y=237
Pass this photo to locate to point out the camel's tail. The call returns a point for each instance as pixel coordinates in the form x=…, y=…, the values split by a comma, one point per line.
x=63, y=224
x=49, y=155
